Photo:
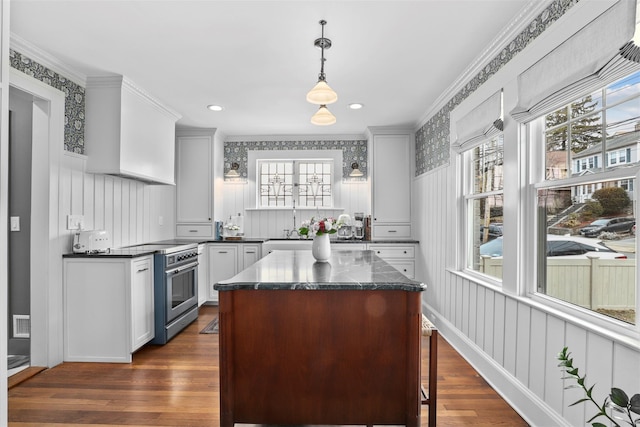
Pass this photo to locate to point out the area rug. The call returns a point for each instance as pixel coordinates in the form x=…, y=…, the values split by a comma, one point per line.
x=211, y=328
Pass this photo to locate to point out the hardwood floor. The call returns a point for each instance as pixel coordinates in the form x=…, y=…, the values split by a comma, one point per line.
x=177, y=385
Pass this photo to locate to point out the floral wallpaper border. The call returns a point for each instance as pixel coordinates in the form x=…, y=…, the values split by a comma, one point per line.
x=432, y=139
x=352, y=151
x=74, y=98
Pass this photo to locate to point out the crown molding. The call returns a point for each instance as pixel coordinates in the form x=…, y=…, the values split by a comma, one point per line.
x=303, y=137
x=528, y=13
x=46, y=59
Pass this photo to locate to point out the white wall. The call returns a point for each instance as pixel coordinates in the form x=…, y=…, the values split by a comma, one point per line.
x=130, y=210
x=511, y=339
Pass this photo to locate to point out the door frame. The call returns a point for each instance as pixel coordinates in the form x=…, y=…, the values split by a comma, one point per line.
x=47, y=244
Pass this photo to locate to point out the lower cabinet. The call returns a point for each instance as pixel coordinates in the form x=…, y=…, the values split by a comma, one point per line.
x=225, y=260
x=108, y=308
x=399, y=255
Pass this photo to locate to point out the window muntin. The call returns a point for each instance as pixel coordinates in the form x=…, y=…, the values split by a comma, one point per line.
x=288, y=183
x=485, y=201
x=598, y=135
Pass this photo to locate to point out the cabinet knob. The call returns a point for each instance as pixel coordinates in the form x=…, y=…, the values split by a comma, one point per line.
x=378, y=251
x=405, y=252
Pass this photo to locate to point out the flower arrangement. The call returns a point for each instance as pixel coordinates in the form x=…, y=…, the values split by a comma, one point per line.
x=318, y=227
x=232, y=227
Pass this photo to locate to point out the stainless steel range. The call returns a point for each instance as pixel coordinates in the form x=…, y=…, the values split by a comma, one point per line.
x=175, y=287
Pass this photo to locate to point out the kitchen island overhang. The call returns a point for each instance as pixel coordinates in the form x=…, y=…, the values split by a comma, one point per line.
x=303, y=342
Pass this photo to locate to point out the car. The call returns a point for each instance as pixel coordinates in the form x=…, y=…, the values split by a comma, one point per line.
x=612, y=225
x=561, y=247
x=493, y=230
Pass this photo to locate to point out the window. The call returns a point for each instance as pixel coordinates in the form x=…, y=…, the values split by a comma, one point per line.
x=586, y=221
x=288, y=183
x=484, y=203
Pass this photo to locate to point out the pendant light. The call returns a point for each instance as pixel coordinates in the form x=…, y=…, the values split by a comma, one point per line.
x=322, y=94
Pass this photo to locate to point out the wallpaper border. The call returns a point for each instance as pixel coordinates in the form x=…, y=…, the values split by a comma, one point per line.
x=74, y=98
x=432, y=139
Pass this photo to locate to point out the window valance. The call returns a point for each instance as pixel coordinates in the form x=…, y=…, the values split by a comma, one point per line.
x=599, y=53
x=480, y=124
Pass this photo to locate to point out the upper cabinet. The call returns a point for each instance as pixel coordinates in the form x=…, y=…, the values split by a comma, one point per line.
x=194, y=187
x=391, y=184
x=128, y=132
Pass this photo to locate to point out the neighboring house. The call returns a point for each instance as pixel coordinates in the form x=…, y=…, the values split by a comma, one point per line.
x=621, y=151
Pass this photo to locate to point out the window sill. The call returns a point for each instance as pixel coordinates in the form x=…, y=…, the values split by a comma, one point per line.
x=298, y=208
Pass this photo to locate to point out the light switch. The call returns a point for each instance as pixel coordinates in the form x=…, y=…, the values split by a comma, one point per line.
x=15, y=223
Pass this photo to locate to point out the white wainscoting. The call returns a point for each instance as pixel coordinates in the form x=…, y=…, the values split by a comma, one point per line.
x=355, y=196
x=130, y=210
x=512, y=341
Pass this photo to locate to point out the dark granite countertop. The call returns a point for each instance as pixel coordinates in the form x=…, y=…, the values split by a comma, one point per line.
x=137, y=250
x=297, y=270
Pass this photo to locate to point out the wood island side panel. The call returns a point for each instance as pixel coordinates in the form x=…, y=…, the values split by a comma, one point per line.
x=320, y=357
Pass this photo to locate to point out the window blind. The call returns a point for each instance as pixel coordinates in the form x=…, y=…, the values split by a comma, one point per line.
x=599, y=53
x=480, y=124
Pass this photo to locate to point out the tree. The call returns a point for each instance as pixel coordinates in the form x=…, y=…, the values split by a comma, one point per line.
x=585, y=132
x=614, y=200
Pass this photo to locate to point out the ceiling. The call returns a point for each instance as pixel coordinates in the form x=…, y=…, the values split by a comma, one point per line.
x=257, y=58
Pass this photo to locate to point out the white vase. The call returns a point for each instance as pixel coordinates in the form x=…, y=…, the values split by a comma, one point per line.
x=320, y=248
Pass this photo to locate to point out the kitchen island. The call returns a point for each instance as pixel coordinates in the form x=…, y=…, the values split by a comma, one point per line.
x=303, y=342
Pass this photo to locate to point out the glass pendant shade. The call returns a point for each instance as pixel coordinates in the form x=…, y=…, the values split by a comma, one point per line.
x=322, y=94
x=323, y=117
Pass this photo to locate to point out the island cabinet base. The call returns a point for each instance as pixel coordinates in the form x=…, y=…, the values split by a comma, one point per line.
x=320, y=357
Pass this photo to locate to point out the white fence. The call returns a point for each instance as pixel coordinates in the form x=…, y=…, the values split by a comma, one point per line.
x=592, y=283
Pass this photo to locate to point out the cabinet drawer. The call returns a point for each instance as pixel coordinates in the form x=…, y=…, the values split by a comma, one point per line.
x=386, y=252
x=390, y=231
x=186, y=230
x=405, y=267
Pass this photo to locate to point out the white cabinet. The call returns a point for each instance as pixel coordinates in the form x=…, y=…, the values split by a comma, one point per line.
x=250, y=254
x=391, y=185
x=108, y=308
x=194, y=186
x=128, y=132
x=203, y=274
x=401, y=256
x=228, y=259
x=142, y=308
x=223, y=264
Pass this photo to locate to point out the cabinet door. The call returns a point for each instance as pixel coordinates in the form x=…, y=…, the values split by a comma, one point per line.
x=391, y=179
x=194, y=186
x=203, y=275
x=250, y=254
x=223, y=261
x=142, y=308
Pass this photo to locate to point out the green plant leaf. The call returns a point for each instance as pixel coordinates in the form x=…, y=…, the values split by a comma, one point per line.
x=598, y=424
x=589, y=391
x=619, y=397
x=635, y=404
x=584, y=399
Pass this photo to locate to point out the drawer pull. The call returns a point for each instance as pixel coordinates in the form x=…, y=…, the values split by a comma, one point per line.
x=392, y=231
x=142, y=269
x=193, y=231
x=222, y=252
x=250, y=252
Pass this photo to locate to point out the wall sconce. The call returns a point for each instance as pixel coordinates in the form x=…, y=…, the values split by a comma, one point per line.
x=355, y=172
x=233, y=171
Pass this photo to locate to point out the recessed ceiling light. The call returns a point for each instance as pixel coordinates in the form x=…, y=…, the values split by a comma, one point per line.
x=215, y=107
x=356, y=106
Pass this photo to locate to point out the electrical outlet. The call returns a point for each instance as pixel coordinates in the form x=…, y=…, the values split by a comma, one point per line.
x=15, y=223
x=75, y=222
x=160, y=220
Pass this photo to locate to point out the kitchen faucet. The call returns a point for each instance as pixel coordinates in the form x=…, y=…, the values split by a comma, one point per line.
x=294, y=229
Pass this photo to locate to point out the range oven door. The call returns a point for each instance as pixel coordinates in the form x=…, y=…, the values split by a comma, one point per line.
x=182, y=290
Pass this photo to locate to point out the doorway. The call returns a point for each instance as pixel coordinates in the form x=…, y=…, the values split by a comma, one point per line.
x=19, y=237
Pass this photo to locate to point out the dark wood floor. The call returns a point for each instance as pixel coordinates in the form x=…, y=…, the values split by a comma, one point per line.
x=177, y=385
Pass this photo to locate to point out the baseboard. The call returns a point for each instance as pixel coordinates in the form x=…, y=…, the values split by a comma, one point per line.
x=528, y=405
